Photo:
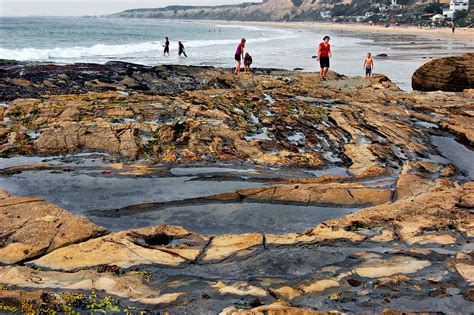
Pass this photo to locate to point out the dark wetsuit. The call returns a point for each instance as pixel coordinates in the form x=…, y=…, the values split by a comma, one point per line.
x=181, y=50
x=167, y=47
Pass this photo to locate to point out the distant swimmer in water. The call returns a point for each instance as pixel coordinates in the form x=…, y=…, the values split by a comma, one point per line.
x=181, y=50
x=324, y=53
x=247, y=63
x=368, y=65
x=167, y=47
x=239, y=54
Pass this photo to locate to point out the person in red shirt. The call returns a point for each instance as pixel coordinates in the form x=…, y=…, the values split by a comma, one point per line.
x=239, y=55
x=324, y=53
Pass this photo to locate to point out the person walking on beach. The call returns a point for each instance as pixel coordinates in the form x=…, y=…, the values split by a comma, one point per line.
x=239, y=55
x=247, y=62
x=324, y=53
x=181, y=50
x=368, y=65
x=167, y=47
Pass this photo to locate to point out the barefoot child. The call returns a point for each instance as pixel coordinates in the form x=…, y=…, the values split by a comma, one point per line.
x=247, y=63
x=368, y=65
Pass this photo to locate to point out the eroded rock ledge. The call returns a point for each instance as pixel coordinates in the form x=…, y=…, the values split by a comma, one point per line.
x=189, y=115
x=31, y=227
x=409, y=250
x=416, y=245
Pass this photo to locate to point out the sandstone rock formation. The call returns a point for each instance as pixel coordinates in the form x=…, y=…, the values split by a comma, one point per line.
x=217, y=119
x=408, y=249
x=325, y=194
x=30, y=227
x=453, y=74
x=129, y=248
x=122, y=265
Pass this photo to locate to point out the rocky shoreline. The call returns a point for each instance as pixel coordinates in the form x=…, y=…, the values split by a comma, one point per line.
x=269, y=140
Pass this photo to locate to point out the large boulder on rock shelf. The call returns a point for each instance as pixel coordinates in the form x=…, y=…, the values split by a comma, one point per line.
x=445, y=74
x=31, y=227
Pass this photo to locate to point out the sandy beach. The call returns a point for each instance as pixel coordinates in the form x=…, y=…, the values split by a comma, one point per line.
x=465, y=34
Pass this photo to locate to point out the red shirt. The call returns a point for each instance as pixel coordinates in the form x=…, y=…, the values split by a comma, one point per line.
x=324, y=50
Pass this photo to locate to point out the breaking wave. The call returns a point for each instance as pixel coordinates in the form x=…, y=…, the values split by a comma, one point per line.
x=102, y=50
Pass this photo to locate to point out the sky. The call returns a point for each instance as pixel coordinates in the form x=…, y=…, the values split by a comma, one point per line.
x=92, y=7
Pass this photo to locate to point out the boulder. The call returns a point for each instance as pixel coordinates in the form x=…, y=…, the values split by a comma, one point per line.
x=278, y=307
x=225, y=246
x=20, y=301
x=376, y=267
x=319, y=286
x=161, y=245
x=131, y=286
x=31, y=227
x=341, y=194
x=453, y=74
x=72, y=136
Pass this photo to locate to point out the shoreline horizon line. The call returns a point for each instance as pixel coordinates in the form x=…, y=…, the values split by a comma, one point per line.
x=461, y=33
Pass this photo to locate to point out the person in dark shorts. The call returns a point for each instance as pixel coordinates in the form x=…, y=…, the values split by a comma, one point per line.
x=181, y=50
x=247, y=63
x=324, y=53
x=239, y=55
x=167, y=47
x=368, y=65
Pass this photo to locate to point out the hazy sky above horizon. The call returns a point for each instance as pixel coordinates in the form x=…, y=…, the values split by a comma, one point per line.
x=92, y=7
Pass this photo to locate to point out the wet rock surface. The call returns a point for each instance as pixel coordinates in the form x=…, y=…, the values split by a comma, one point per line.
x=36, y=80
x=31, y=227
x=274, y=193
x=453, y=74
x=342, y=264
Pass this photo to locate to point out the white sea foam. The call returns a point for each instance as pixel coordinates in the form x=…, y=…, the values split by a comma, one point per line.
x=35, y=54
x=102, y=50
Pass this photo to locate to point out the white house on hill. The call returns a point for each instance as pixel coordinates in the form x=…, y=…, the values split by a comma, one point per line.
x=456, y=6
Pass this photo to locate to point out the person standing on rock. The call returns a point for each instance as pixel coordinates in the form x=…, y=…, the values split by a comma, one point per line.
x=368, y=65
x=167, y=47
x=239, y=55
x=324, y=53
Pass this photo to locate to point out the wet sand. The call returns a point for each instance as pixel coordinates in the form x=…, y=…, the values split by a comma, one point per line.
x=465, y=34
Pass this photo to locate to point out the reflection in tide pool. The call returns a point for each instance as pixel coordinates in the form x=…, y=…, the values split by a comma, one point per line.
x=458, y=154
x=84, y=184
x=80, y=191
x=228, y=218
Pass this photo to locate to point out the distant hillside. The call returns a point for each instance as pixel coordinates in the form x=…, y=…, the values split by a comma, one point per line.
x=376, y=11
x=269, y=10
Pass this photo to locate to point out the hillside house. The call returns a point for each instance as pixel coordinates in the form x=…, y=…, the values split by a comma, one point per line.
x=456, y=6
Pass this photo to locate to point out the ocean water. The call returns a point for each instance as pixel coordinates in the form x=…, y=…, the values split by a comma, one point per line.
x=81, y=39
